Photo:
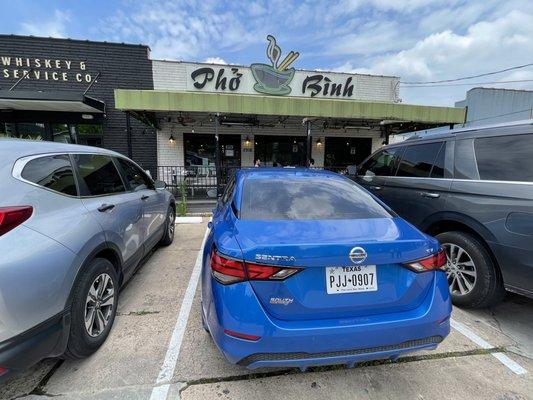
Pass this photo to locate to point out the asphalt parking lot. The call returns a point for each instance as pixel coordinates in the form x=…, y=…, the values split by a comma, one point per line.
x=158, y=350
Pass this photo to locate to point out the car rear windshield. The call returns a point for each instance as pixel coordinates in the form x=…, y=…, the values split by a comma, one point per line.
x=307, y=199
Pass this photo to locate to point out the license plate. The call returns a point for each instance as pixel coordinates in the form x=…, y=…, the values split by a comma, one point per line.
x=352, y=279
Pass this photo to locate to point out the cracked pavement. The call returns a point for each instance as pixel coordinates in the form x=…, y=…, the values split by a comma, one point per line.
x=128, y=364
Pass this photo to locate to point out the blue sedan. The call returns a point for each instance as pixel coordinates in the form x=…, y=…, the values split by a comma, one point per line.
x=304, y=268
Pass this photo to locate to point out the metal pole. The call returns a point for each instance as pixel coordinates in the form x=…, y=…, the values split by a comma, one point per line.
x=309, y=144
x=128, y=135
x=20, y=79
x=217, y=153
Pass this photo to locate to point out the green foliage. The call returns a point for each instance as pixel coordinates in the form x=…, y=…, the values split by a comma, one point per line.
x=181, y=207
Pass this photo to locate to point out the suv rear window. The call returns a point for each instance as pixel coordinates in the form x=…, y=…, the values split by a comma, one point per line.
x=307, y=199
x=505, y=158
x=52, y=172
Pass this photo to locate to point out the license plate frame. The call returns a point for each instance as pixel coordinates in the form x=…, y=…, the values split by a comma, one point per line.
x=339, y=280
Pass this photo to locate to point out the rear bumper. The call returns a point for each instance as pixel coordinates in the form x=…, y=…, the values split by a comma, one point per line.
x=308, y=343
x=48, y=339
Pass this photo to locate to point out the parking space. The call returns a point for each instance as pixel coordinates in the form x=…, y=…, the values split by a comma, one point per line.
x=159, y=350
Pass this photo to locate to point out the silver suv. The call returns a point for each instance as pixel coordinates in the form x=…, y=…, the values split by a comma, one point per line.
x=75, y=222
x=472, y=188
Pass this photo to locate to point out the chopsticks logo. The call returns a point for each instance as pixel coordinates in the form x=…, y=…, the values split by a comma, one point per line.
x=274, y=78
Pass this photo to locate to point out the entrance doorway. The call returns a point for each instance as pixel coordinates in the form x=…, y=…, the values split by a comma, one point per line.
x=281, y=150
x=343, y=151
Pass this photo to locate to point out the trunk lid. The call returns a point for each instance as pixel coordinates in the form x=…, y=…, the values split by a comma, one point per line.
x=315, y=245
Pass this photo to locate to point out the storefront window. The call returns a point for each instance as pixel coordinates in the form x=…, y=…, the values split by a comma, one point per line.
x=86, y=134
x=61, y=133
x=31, y=130
x=89, y=134
x=280, y=151
x=200, y=150
x=344, y=151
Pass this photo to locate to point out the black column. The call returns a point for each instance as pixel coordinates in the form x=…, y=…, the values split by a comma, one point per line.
x=217, y=154
x=309, y=144
x=128, y=135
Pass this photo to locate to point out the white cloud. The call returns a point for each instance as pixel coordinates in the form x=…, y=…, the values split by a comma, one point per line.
x=55, y=27
x=485, y=46
x=215, y=60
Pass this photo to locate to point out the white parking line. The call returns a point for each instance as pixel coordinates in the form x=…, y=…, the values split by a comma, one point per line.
x=160, y=392
x=512, y=365
x=188, y=220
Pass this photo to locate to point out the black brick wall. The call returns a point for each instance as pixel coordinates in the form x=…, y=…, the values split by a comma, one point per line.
x=122, y=66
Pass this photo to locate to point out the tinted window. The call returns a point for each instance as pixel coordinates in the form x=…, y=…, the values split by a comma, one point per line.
x=381, y=163
x=505, y=158
x=99, y=174
x=135, y=177
x=52, y=172
x=307, y=198
x=438, y=166
x=417, y=160
x=465, y=163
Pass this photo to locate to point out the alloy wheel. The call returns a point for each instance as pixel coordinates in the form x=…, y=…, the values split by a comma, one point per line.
x=99, y=305
x=460, y=270
x=171, y=225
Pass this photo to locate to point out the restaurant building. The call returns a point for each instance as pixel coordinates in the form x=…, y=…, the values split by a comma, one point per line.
x=179, y=119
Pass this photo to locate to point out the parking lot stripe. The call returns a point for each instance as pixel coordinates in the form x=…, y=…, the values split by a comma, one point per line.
x=173, y=351
x=512, y=365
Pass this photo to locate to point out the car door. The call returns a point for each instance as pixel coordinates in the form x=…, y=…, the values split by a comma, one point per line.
x=420, y=186
x=154, y=207
x=373, y=173
x=117, y=210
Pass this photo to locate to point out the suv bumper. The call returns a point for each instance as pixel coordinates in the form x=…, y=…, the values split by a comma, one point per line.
x=48, y=339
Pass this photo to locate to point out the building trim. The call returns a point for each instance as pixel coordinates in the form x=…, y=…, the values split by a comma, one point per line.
x=160, y=100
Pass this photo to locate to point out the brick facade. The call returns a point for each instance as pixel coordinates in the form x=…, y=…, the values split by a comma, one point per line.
x=123, y=66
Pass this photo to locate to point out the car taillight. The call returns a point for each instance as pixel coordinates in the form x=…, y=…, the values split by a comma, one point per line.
x=227, y=270
x=11, y=217
x=433, y=262
x=3, y=371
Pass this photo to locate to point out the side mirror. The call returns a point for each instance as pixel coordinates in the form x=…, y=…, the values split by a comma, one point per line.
x=352, y=170
x=160, y=185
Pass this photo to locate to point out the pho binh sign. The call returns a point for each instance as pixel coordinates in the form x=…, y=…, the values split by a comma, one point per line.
x=279, y=78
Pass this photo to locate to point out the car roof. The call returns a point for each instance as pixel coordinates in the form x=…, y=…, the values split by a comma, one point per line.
x=514, y=127
x=17, y=148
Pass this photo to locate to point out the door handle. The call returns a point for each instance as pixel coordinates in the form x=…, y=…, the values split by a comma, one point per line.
x=375, y=187
x=106, y=207
x=145, y=197
x=430, y=195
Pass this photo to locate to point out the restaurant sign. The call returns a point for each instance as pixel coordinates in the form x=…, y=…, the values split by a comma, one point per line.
x=45, y=69
x=279, y=78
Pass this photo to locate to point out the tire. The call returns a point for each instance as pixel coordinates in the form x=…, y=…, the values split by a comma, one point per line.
x=81, y=343
x=474, y=280
x=204, y=324
x=168, y=237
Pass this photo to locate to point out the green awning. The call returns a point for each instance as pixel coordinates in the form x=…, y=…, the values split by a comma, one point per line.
x=171, y=101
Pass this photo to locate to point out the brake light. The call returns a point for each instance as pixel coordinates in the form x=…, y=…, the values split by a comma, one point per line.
x=227, y=270
x=11, y=217
x=434, y=262
x=3, y=371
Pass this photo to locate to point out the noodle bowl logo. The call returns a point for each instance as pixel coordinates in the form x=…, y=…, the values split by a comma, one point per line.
x=274, y=78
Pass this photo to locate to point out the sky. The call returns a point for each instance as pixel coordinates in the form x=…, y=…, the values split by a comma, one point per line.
x=418, y=40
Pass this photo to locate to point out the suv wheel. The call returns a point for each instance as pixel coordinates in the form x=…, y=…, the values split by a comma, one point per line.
x=170, y=227
x=94, y=307
x=473, y=278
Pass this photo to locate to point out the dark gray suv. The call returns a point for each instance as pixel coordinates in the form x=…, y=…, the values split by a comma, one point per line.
x=472, y=188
